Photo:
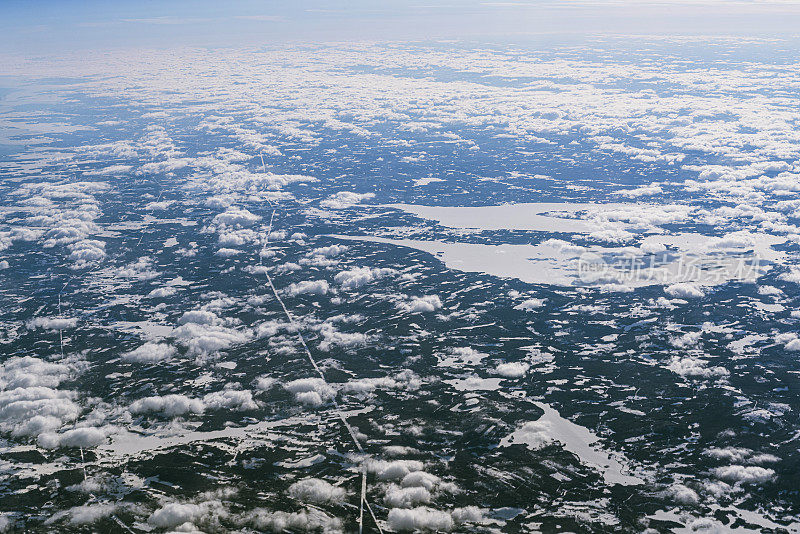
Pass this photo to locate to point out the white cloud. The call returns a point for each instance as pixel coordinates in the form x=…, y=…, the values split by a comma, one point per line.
x=530, y=304
x=162, y=292
x=425, y=304
x=397, y=497
x=311, y=520
x=308, y=287
x=360, y=276
x=310, y=391
x=744, y=474
x=86, y=514
x=53, y=323
x=174, y=514
x=330, y=251
x=345, y=199
x=77, y=437
x=236, y=217
x=534, y=434
x=682, y=494
x=86, y=252
x=317, y=491
x=684, y=290
x=235, y=399
x=512, y=369
x=169, y=405
x=421, y=518
x=149, y=353
x=690, y=366
x=392, y=469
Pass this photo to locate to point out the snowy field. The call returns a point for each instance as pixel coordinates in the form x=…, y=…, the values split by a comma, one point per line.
x=502, y=288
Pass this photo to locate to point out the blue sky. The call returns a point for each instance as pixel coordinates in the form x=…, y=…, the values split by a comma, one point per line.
x=44, y=26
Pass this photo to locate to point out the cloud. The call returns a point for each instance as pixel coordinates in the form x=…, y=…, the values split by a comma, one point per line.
x=682, y=495
x=345, y=199
x=174, y=514
x=512, y=369
x=27, y=371
x=684, y=290
x=86, y=252
x=230, y=399
x=310, y=391
x=227, y=252
x=530, y=304
x=236, y=217
x=149, y=353
x=169, y=405
x=534, y=434
x=690, y=366
x=421, y=518
x=311, y=520
x=203, y=332
x=317, y=491
x=199, y=317
x=425, y=304
x=84, y=515
x=35, y=409
x=77, y=437
x=360, y=276
x=331, y=337
x=406, y=380
x=744, y=474
x=397, y=497
x=330, y=251
x=308, y=287
x=162, y=292
x=420, y=479
x=392, y=469
x=53, y=323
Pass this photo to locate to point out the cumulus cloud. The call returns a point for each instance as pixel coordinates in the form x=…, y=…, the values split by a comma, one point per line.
x=421, y=518
x=53, y=323
x=345, y=199
x=308, y=287
x=30, y=404
x=534, y=434
x=512, y=369
x=530, y=304
x=360, y=276
x=203, y=332
x=684, y=290
x=227, y=252
x=317, y=491
x=406, y=497
x=174, y=514
x=425, y=304
x=310, y=391
x=77, y=437
x=682, y=494
x=231, y=399
x=330, y=251
x=174, y=404
x=690, y=366
x=149, y=353
x=332, y=337
x=749, y=474
x=236, y=217
x=311, y=520
x=406, y=380
x=392, y=469
x=162, y=292
x=86, y=514
x=169, y=405
x=86, y=252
